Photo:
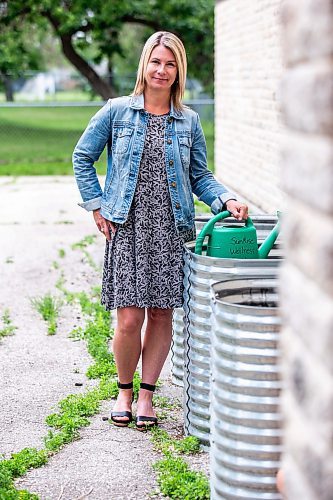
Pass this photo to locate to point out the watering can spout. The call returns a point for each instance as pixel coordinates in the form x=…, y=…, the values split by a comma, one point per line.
x=268, y=244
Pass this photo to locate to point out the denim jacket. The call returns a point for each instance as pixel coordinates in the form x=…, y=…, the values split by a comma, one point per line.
x=121, y=126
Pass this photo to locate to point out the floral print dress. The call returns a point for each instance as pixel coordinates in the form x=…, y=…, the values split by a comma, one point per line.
x=143, y=264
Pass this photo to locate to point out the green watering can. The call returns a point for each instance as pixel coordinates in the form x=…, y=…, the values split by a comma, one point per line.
x=235, y=242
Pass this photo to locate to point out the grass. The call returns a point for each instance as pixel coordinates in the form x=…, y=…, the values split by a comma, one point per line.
x=166, y=444
x=48, y=307
x=7, y=327
x=85, y=242
x=177, y=480
x=40, y=141
x=174, y=476
x=201, y=207
x=82, y=245
x=60, y=96
x=17, y=466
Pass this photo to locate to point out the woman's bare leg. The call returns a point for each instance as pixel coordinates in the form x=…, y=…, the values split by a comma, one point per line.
x=126, y=348
x=156, y=346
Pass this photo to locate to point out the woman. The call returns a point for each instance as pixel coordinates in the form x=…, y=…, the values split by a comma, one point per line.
x=156, y=159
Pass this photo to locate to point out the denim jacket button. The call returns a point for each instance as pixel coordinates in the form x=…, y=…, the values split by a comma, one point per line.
x=177, y=205
x=173, y=184
x=169, y=119
x=171, y=162
x=169, y=141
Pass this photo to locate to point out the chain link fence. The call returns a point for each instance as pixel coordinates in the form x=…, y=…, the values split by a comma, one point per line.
x=38, y=139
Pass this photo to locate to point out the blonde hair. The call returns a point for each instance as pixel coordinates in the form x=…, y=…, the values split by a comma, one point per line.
x=172, y=42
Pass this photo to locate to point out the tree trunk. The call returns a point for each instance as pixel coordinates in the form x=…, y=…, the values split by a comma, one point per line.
x=110, y=74
x=8, y=84
x=96, y=82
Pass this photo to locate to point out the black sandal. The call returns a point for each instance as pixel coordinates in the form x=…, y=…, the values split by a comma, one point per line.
x=141, y=418
x=128, y=414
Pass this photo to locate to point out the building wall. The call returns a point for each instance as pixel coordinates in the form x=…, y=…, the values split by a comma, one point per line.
x=248, y=68
x=262, y=152
x=307, y=277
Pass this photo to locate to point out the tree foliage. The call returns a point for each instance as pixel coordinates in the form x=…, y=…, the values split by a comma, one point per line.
x=17, y=54
x=81, y=24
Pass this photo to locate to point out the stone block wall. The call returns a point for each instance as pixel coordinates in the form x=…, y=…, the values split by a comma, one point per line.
x=248, y=68
x=307, y=276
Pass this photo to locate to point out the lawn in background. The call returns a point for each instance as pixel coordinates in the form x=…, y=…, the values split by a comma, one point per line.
x=40, y=141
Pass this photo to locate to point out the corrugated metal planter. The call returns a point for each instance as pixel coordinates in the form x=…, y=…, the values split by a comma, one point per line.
x=200, y=273
x=264, y=224
x=178, y=347
x=245, y=390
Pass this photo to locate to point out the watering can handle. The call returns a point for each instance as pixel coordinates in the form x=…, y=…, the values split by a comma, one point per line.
x=208, y=228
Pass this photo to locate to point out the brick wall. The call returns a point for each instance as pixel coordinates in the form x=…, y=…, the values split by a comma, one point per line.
x=248, y=70
x=307, y=276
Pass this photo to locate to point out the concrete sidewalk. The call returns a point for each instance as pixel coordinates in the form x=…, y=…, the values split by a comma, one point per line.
x=38, y=217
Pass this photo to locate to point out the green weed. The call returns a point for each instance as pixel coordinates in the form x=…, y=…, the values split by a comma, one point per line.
x=16, y=466
x=73, y=414
x=12, y=494
x=48, y=307
x=9, y=260
x=28, y=458
x=60, y=284
x=91, y=307
x=82, y=245
x=167, y=444
x=163, y=406
x=165, y=403
x=61, y=253
x=97, y=334
x=55, y=441
x=95, y=292
x=85, y=242
x=176, y=480
x=8, y=328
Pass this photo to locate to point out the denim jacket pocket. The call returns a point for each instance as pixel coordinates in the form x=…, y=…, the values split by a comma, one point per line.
x=185, y=148
x=121, y=140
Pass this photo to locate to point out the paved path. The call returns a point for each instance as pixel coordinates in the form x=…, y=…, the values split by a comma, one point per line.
x=38, y=217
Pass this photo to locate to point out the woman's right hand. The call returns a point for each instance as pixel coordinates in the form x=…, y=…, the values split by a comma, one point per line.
x=104, y=225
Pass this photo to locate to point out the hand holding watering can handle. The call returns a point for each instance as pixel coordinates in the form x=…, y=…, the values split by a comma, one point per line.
x=208, y=228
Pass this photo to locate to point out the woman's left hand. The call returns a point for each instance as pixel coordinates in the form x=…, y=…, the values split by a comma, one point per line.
x=237, y=209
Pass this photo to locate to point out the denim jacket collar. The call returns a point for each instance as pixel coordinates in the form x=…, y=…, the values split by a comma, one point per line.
x=137, y=102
